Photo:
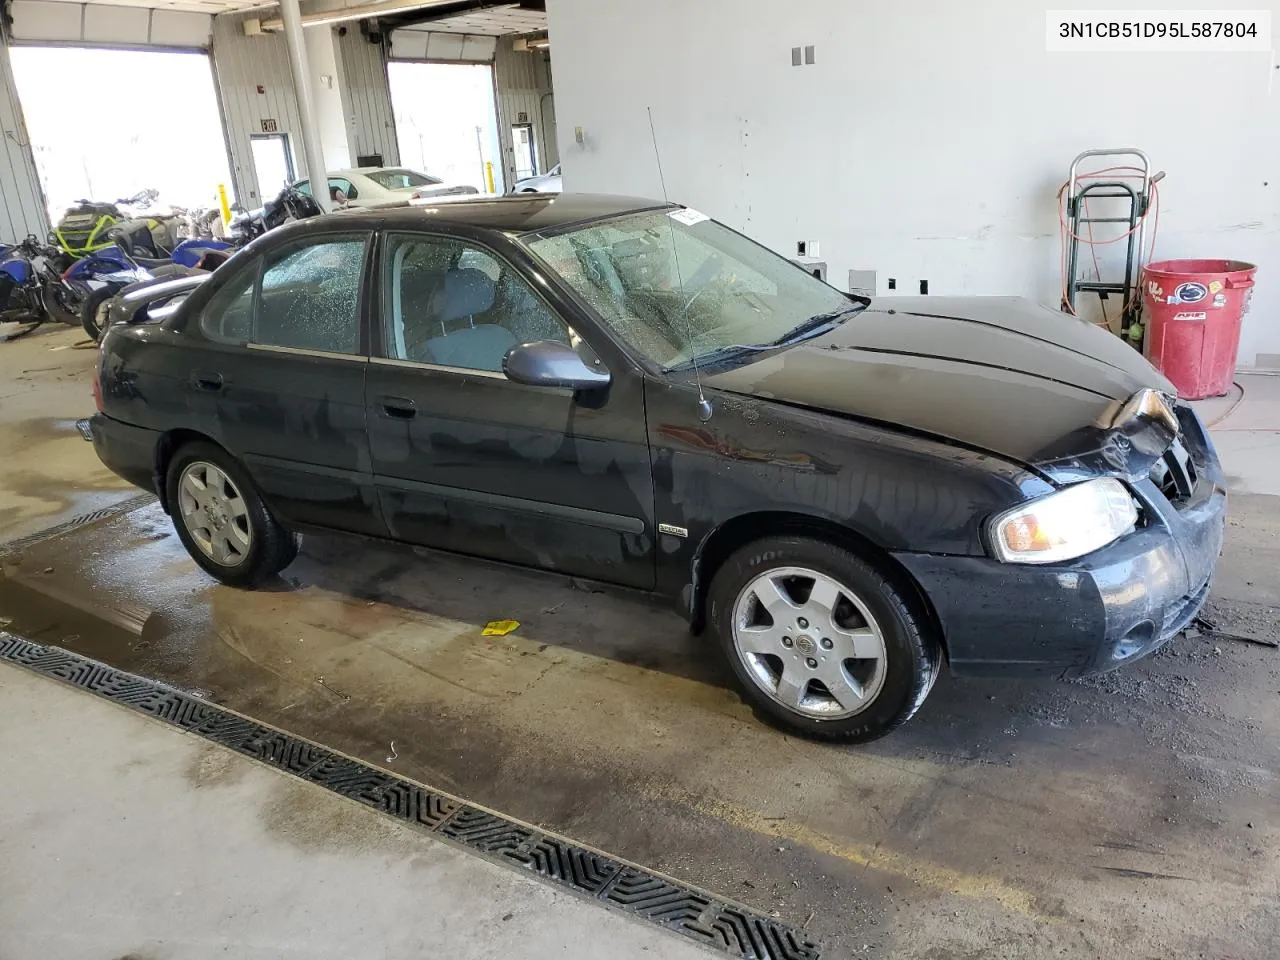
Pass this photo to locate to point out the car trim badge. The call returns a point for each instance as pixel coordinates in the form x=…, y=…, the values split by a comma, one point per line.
x=673, y=530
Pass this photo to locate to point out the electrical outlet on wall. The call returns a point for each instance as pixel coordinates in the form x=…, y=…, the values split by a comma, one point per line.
x=802, y=248
x=813, y=248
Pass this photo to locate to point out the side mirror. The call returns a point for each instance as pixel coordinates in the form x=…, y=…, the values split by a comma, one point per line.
x=550, y=363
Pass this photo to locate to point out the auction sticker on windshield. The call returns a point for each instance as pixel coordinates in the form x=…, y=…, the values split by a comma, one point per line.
x=688, y=216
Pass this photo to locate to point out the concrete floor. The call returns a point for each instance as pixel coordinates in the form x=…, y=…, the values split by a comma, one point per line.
x=46, y=475
x=136, y=841
x=1131, y=815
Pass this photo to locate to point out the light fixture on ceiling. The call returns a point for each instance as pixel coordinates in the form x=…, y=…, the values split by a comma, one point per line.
x=525, y=44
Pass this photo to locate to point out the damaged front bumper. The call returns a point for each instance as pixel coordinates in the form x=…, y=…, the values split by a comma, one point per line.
x=1092, y=614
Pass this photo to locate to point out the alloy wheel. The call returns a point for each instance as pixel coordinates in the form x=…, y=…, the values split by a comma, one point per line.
x=215, y=513
x=809, y=642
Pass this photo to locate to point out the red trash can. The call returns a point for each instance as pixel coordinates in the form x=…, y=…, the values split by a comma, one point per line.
x=1193, y=310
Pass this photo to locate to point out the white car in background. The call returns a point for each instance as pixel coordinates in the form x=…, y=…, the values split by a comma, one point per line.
x=548, y=182
x=376, y=186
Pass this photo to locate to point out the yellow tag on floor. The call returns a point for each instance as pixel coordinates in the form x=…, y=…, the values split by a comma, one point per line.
x=499, y=628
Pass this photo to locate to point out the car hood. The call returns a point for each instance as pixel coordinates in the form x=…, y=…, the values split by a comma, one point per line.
x=1002, y=374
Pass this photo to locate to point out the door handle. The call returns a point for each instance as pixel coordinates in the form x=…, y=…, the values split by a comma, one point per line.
x=399, y=408
x=208, y=382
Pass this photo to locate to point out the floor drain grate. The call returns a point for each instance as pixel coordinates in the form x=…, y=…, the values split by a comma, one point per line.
x=106, y=513
x=695, y=914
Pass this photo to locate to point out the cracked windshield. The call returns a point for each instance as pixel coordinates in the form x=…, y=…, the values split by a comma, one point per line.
x=679, y=287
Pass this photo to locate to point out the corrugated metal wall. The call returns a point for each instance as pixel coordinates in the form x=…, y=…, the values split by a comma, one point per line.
x=523, y=79
x=22, y=208
x=243, y=66
x=371, y=126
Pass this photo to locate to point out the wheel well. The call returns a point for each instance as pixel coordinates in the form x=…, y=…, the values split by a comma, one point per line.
x=168, y=445
x=736, y=533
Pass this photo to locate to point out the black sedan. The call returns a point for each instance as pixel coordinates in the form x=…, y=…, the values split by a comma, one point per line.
x=844, y=490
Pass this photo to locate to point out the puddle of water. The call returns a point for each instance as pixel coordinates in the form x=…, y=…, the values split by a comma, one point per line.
x=48, y=613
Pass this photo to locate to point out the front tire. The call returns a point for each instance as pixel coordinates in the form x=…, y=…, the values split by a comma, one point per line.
x=222, y=521
x=820, y=641
x=92, y=314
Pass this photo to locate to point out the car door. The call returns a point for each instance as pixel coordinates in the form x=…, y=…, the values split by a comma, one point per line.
x=289, y=382
x=466, y=460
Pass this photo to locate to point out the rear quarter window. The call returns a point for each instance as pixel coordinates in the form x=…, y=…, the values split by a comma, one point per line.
x=228, y=316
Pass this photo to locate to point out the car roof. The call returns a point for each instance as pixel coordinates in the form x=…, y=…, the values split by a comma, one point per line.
x=519, y=213
x=365, y=171
x=352, y=172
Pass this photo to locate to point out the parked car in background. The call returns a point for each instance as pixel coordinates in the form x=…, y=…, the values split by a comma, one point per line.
x=548, y=182
x=375, y=186
x=846, y=491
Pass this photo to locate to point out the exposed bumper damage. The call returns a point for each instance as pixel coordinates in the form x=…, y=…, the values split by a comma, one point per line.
x=1115, y=605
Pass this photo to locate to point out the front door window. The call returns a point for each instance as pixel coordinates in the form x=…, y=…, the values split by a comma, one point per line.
x=456, y=305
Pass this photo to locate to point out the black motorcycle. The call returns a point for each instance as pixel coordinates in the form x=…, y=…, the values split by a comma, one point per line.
x=288, y=205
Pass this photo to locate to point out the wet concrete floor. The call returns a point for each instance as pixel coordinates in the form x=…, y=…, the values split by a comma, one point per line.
x=47, y=472
x=1134, y=815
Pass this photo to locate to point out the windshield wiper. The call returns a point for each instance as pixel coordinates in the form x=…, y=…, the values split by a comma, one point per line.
x=817, y=324
x=727, y=352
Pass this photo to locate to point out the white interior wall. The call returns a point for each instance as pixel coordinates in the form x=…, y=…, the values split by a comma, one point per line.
x=22, y=209
x=523, y=82
x=928, y=139
x=370, y=121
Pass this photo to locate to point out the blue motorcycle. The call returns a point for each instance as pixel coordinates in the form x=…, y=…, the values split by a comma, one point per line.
x=32, y=289
x=111, y=270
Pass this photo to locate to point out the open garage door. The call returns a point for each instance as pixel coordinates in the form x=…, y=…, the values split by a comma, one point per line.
x=447, y=121
x=158, y=125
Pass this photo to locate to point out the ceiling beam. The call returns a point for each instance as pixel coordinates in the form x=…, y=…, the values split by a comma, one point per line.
x=366, y=11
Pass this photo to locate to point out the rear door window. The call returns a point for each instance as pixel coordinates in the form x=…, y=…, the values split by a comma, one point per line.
x=310, y=297
x=306, y=297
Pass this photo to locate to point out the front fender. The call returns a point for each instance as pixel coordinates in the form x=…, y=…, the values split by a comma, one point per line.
x=756, y=458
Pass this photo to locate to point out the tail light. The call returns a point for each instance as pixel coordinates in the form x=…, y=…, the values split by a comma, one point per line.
x=97, y=390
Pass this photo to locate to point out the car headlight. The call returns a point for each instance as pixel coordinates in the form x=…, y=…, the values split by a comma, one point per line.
x=1064, y=525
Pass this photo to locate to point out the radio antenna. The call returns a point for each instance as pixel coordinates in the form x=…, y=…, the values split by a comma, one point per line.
x=704, y=405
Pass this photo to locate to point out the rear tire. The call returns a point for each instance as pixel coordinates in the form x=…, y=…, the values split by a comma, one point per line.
x=61, y=306
x=221, y=519
x=94, y=325
x=820, y=641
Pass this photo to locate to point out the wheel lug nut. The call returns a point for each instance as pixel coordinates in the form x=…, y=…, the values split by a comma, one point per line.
x=826, y=644
x=812, y=663
x=802, y=622
x=787, y=641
